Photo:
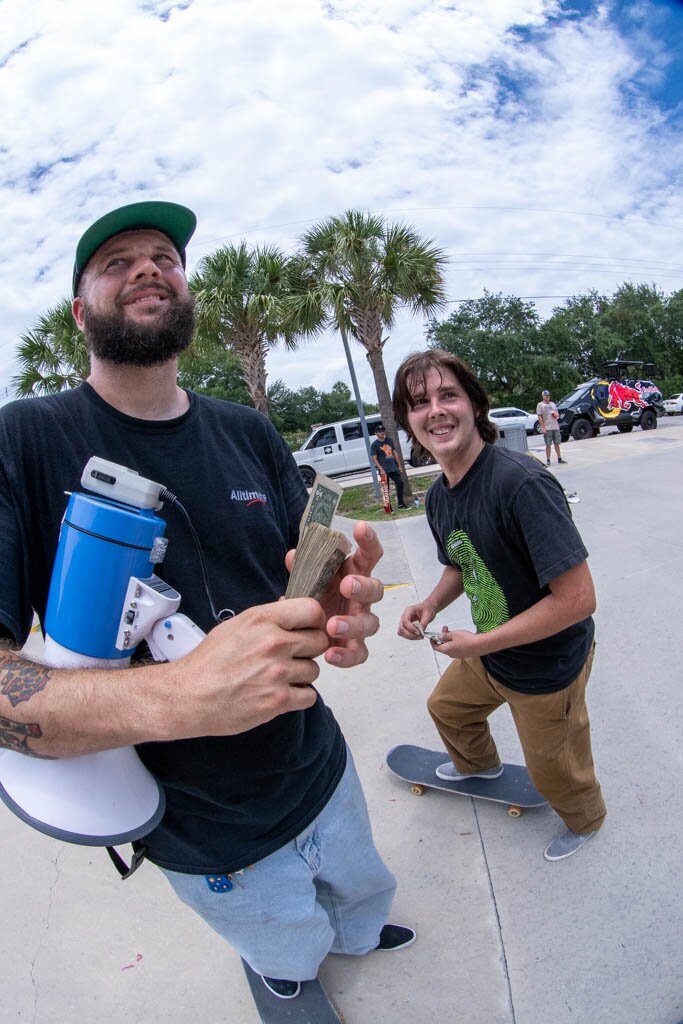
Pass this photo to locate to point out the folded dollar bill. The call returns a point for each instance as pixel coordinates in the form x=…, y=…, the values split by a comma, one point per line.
x=428, y=634
x=322, y=502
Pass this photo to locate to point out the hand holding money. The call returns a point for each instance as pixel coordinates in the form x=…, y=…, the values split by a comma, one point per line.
x=351, y=589
x=321, y=550
x=427, y=634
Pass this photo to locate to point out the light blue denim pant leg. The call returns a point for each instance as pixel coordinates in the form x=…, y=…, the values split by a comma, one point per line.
x=327, y=891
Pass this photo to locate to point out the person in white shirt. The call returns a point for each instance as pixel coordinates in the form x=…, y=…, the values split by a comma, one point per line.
x=547, y=417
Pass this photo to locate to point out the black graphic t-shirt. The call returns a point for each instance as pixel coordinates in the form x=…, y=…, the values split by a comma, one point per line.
x=382, y=451
x=230, y=800
x=508, y=528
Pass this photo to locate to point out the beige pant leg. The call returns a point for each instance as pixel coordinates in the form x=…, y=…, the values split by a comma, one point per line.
x=460, y=705
x=554, y=731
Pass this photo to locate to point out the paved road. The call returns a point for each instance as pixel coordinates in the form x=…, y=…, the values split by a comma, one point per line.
x=504, y=937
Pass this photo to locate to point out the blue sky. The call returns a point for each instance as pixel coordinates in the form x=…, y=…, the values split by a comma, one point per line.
x=537, y=142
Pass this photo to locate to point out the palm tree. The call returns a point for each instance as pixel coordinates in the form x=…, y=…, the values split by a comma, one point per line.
x=53, y=355
x=239, y=293
x=356, y=272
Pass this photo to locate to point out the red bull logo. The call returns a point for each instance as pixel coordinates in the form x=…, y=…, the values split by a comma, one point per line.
x=623, y=396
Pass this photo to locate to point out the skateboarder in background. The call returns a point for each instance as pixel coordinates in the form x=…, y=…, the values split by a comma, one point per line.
x=547, y=417
x=505, y=536
x=385, y=458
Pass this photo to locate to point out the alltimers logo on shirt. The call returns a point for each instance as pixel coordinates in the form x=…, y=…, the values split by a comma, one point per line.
x=249, y=497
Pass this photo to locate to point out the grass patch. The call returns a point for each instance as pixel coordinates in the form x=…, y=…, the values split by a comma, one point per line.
x=362, y=503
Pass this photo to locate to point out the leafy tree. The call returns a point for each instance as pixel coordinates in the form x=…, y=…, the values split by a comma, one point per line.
x=636, y=316
x=52, y=355
x=218, y=374
x=293, y=410
x=499, y=337
x=338, y=404
x=239, y=293
x=356, y=272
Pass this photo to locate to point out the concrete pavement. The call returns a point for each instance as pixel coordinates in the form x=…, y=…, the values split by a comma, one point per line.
x=504, y=937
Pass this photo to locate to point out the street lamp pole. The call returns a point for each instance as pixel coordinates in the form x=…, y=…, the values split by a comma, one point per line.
x=361, y=412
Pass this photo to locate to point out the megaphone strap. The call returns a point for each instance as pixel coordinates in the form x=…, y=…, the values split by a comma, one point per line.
x=126, y=870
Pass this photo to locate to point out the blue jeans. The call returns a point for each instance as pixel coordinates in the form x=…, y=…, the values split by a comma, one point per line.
x=327, y=891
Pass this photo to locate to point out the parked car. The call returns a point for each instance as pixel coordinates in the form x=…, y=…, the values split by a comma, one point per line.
x=613, y=400
x=673, y=405
x=509, y=416
x=335, y=448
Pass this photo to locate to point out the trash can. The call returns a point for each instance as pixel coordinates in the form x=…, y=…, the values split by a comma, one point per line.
x=514, y=439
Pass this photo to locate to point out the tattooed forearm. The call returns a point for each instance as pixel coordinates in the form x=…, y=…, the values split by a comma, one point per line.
x=21, y=679
x=15, y=736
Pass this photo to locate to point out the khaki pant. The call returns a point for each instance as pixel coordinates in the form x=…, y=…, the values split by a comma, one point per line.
x=553, y=729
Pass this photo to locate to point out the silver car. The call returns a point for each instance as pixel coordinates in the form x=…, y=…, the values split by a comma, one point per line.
x=509, y=416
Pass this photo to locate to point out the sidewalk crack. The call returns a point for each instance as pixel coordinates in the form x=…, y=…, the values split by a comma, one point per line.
x=498, y=921
x=34, y=983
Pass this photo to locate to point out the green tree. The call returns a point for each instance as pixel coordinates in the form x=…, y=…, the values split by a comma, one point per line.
x=217, y=374
x=499, y=337
x=356, y=272
x=337, y=404
x=239, y=293
x=293, y=410
x=636, y=316
x=52, y=355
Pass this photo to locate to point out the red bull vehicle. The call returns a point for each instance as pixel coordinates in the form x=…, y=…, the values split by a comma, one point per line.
x=612, y=400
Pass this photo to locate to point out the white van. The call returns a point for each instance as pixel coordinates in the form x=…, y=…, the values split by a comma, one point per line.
x=335, y=448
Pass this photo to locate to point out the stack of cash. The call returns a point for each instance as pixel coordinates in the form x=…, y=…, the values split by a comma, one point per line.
x=321, y=550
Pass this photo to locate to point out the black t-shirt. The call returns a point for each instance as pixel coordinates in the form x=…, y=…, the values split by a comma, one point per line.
x=230, y=800
x=382, y=451
x=508, y=528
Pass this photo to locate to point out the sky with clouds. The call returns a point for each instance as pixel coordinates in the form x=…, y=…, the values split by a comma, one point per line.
x=537, y=142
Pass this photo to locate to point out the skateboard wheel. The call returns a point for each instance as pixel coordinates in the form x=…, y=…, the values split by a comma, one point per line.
x=514, y=812
x=417, y=790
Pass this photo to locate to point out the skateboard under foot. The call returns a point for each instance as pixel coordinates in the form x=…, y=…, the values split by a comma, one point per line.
x=311, y=1006
x=417, y=766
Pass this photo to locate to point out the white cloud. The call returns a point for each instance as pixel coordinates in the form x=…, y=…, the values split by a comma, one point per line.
x=495, y=127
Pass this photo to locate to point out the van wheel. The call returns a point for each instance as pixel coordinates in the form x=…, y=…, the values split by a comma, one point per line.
x=307, y=475
x=581, y=429
x=648, y=421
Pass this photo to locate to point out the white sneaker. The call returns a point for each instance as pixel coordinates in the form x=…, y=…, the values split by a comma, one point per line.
x=449, y=773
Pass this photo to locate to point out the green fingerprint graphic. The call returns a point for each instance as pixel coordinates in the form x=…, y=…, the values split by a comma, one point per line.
x=487, y=600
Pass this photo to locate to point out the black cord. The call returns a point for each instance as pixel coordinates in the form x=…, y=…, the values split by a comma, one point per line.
x=173, y=502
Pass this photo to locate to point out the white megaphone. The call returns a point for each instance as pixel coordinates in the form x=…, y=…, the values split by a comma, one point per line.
x=104, y=599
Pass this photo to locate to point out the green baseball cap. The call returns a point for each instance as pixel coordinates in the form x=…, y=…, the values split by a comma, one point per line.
x=176, y=222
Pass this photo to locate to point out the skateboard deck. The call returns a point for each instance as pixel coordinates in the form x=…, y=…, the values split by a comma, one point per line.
x=386, y=497
x=417, y=766
x=311, y=1006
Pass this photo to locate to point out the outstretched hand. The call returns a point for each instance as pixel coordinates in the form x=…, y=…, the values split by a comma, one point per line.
x=348, y=599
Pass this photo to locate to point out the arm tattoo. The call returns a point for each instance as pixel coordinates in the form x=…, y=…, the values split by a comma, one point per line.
x=15, y=736
x=22, y=680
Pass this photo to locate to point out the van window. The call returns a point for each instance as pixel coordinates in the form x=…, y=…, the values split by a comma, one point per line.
x=352, y=431
x=325, y=436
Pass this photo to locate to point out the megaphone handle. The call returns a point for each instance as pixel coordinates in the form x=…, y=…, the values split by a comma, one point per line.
x=173, y=637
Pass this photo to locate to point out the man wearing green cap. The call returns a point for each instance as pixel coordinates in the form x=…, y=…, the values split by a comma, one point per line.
x=254, y=767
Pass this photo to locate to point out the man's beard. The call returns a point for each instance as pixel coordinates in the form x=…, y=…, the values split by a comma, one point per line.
x=114, y=339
